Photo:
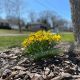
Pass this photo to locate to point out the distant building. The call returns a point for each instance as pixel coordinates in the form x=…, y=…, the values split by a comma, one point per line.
x=36, y=27
x=4, y=23
x=15, y=26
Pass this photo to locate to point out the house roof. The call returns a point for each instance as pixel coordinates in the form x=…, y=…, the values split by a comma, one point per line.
x=3, y=21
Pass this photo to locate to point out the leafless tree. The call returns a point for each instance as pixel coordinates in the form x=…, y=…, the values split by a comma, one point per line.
x=13, y=9
x=32, y=16
x=53, y=20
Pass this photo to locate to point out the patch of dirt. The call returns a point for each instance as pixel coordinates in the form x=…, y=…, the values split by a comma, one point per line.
x=15, y=66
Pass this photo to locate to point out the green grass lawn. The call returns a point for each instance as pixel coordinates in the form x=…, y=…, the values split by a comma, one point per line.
x=67, y=36
x=8, y=41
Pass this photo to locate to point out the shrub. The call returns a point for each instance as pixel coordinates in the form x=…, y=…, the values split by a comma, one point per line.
x=5, y=27
x=41, y=45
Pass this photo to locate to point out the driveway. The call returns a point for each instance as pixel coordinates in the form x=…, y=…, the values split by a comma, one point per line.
x=14, y=34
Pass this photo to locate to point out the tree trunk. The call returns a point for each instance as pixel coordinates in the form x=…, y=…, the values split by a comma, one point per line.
x=75, y=11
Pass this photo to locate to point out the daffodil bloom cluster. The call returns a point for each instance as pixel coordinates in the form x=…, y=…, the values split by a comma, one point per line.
x=41, y=36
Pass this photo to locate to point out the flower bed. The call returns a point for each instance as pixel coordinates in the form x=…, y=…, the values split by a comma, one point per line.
x=41, y=45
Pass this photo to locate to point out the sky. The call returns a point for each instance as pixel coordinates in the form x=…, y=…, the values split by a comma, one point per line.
x=61, y=7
